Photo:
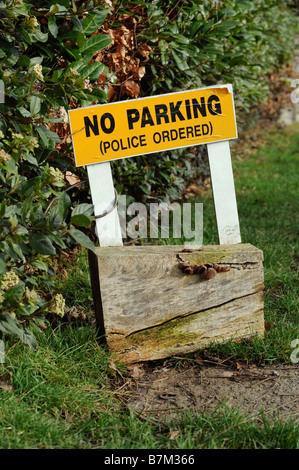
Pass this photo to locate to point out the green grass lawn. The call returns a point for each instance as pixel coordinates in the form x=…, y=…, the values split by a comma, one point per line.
x=68, y=393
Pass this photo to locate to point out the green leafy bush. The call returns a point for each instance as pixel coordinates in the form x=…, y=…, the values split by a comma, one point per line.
x=207, y=42
x=202, y=43
x=46, y=67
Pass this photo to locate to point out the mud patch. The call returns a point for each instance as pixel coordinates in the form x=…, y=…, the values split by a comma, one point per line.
x=162, y=393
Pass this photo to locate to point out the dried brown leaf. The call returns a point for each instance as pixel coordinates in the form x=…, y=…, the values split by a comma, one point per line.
x=144, y=50
x=4, y=382
x=173, y=435
x=268, y=325
x=131, y=88
x=71, y=178
x=138, y=72
x=111, y=92
x=98, y=57
x=113, y=367
x=226, y=374
x=6, y=386
x=135, y=371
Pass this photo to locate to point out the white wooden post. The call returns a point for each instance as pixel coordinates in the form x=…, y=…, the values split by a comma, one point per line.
x=103, y=198
x=224, y=193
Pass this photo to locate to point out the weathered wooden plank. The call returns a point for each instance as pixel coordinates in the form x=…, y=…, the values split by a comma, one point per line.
x=142, y=287
x=239, y=318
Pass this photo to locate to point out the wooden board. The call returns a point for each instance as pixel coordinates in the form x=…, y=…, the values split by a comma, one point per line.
x=147, y=308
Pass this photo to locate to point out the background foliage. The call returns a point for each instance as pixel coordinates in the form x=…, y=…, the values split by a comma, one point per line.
x=200, y=43
x=63, y=55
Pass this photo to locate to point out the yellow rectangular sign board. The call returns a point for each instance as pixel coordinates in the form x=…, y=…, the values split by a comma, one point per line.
x=147, y=125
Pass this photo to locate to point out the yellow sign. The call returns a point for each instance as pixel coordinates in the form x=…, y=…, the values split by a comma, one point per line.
x=148, y=125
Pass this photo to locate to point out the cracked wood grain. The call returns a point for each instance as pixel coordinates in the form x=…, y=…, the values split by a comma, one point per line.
x=138, y=289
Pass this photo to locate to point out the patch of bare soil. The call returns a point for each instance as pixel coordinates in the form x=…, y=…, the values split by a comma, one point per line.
x=162, y=393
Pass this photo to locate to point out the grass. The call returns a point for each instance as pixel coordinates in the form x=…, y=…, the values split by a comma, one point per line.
x=65, y=395
x=60, y=395
x=267, y=194
x=68, y=393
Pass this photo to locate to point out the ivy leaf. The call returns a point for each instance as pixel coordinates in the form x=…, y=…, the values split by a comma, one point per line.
x=29, y=186
x=14, y=295
x=92, y=70
x=93, y=22
x=42, y=134
x=9, y=325
x=81, y=220
x=59, y=242
x=81, y=238
x=34, y=105
x=53, y=28
x=52, y=136
x=24, y=61
x=40, y=265
x=182, y=65
x=26, y=310
x=62, y=207
x=41, y=243
x=95, y=43
x=2, y=266
x=53, y=10
x=77, y=23
x=97, y=95
x=2, y=209
x=31, y=159
x=23, y=111
x=84, y=208
x=39, y=36
x=17, y=250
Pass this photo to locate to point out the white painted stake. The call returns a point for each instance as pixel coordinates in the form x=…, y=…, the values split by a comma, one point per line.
x=224, y=193
x=103, y=197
